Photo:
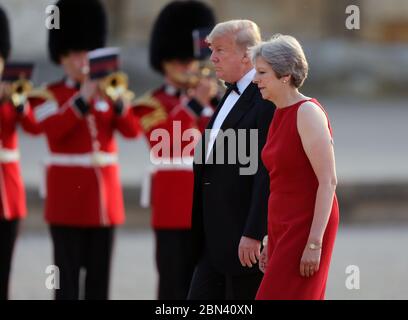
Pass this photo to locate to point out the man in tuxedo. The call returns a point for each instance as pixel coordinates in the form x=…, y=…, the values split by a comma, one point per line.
x=229, y=217
x=190, y=105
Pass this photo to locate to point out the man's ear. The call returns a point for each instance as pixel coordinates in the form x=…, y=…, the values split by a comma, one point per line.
x=245, y=58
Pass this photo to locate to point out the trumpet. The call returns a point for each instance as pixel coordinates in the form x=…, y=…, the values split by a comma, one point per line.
x=16, y=75
x=116, y=86
x=191, y=80
x=20, y=90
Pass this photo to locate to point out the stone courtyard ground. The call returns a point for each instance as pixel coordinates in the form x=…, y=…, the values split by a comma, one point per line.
x=378, y=251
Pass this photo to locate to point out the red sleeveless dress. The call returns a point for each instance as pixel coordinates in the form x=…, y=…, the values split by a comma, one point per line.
x=293, y=188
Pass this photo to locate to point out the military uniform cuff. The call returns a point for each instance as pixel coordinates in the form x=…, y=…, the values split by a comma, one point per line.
x=195, y=106
x=81, y=105
x=119, y=107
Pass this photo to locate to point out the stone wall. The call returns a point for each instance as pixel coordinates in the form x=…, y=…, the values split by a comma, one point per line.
x=342, y=61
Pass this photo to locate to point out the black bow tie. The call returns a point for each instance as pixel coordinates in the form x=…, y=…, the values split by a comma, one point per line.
x=232, y=87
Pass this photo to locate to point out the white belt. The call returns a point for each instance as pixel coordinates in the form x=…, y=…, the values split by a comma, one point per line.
x=94, y=159
x=162, y=164
x=8, y=155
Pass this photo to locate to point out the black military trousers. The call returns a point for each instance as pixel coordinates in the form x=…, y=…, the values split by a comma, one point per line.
x=210, y=284
x=87, y=249
x=174, y=263
x=8, y=235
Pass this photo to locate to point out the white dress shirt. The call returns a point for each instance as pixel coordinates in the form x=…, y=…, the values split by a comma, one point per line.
x=226, y=108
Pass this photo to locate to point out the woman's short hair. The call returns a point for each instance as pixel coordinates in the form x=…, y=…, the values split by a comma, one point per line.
x=247, y=33
x=286, y=57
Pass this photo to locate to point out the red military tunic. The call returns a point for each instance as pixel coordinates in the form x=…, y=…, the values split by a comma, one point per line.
x=12, y=201
x=83, y=187
x=171, y=185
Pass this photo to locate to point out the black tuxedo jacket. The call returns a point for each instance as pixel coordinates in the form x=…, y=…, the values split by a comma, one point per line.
x=228, y=204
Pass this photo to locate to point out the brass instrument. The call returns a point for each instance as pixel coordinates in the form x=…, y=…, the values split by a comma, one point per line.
x=20, y=90
x=16, y=77
x=116, y=86
x=191, y=80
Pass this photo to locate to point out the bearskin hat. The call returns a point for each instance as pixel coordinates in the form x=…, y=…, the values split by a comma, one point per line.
x=4, y=35
x=171, y=36
x=83, y=26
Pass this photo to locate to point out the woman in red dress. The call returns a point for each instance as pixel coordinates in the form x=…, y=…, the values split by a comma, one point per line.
x=303, y=213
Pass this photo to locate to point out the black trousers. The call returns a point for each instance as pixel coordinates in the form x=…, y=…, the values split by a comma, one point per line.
x=174, y=263
x=8, y=236
x=89, y=249
x=209, y=284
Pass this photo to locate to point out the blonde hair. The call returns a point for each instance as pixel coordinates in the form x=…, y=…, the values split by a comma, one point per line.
x=286, y=57
x=246, y=32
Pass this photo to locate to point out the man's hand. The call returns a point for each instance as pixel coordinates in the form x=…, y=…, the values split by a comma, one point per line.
x=89, y=89
x=205, y=90
x=5, y=90
x=249, y=251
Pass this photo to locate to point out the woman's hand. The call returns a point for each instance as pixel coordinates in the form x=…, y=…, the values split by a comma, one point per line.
x=310, y=262
x=263, y=260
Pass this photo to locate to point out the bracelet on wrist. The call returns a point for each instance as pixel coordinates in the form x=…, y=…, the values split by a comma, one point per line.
x=314, y=246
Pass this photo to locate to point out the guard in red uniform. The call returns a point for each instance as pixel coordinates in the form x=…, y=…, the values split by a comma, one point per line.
x=84, y=199
x=177, y=112
x=12, y=194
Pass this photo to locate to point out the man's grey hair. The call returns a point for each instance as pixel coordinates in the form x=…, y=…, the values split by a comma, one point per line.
x=286, y=57
x=246, y=32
